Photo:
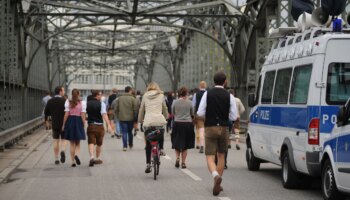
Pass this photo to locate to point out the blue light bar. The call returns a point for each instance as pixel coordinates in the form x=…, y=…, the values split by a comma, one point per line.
x=337, y=25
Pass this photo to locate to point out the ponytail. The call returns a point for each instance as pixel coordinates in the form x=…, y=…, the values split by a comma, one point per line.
x=75, y=98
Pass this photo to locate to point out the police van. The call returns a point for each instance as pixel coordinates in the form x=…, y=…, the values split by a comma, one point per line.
x=335, y=159
x=304, y=80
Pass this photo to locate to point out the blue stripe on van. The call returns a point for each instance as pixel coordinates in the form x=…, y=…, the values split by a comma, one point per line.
x=296, y=117
x=343, y=148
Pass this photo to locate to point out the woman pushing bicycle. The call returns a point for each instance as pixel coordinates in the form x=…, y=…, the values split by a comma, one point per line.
x=153, y=114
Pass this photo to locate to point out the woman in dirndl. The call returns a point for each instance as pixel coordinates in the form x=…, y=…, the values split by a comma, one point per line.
x=73, y=124
x=183, y=134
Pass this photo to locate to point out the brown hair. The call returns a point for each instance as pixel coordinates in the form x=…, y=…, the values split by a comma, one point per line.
x=75, y=98
x=219, y=78
x=95, y=93
x=183, y=91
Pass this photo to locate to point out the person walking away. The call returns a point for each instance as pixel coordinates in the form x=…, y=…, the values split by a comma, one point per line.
x=116, y=120
x=125, y=110
x=90, y=97
x=236, y=124
x=195, y=90
x=55, y=109
x=169, y=102
x=218, y=107
x=153, y=114
x=199, y=120
x=183, y=135
x=44, y=101
x=73, y=124
x=96, y=111
x=110, y=111
x=138, y=104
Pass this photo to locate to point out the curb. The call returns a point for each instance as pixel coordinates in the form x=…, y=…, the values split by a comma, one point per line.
x=5, y=174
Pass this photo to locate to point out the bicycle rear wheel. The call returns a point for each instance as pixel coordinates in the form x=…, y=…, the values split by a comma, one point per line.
x=155, y=166
x=158, y=163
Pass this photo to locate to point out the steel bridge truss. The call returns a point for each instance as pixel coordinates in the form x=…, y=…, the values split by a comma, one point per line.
x=128, y=30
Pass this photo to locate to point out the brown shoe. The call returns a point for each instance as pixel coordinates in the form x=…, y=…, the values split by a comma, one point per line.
x=217, y=185
x=98, y=161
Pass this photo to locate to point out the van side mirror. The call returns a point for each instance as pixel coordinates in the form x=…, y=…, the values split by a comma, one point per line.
x=251, y=100
x=344, y=114
x=340, y=116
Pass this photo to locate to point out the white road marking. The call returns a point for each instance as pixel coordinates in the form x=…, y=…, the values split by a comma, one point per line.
x=139, y=136
x=224, y=198
x=192, y=175
x=167, y=157
x=186, y=171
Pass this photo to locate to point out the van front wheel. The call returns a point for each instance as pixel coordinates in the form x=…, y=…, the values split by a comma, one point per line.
x=253, y=162
x=289, y=176
x=329, y=187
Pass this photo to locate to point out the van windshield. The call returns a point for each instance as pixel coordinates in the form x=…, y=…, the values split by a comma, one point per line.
x=338, y=83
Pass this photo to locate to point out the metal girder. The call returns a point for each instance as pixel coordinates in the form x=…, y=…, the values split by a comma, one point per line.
x=216, y=19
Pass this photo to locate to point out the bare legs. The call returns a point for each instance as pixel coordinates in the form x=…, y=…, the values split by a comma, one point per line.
x=177, y=154
x=221, y=163
x=59, y=144
x=74, y=150
x=197, y=137
x=56, y=149
x=201, y=136
x=91, y=150
x=183, y=155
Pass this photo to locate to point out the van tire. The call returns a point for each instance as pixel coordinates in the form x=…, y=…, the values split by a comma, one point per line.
x=329, y=186
x=290, y=178
x=253, y=163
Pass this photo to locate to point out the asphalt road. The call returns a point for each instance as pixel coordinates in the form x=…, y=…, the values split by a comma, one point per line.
x=122, y=176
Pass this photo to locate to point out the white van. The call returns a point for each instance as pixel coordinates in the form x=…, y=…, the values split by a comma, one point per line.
x=304, y=80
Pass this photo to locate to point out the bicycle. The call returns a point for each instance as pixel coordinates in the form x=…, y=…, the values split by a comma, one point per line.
x=153, y=137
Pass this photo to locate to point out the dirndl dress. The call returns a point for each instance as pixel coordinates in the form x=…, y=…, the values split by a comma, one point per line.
x=74, y=127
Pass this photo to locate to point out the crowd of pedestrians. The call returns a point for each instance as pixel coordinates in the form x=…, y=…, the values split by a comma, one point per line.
x=204, y=119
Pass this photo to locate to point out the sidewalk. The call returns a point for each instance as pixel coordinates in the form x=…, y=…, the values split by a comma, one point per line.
x=11, y=158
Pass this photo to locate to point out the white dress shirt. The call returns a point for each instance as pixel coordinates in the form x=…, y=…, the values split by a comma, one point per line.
x=233, y=114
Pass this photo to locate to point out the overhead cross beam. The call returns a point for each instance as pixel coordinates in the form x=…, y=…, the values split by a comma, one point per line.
x=107, y=22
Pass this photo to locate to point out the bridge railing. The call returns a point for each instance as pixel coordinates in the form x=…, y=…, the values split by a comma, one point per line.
x=12, y=135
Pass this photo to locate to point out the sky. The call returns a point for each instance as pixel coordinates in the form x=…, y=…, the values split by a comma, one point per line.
x=240, y=2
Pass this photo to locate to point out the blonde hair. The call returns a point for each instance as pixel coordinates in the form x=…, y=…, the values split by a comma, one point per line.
x=153, y=86
x=203, y=85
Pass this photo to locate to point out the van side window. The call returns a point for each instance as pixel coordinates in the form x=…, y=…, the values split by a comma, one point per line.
x=282, y=86
x=298, y=39
x=290, y=42
x=300, y=85
x=318, y=33
x=338, y=83
x=268, y=87
x=307, y=36
x=283, y=43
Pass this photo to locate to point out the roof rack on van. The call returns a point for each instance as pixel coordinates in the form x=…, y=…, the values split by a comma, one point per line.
x=292, y=31
x=283, y=32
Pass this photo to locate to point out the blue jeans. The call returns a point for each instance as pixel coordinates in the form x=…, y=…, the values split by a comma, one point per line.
x=117, y=127
x=126, y=128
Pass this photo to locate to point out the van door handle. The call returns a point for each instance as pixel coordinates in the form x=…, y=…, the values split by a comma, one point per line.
x=297, y=133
